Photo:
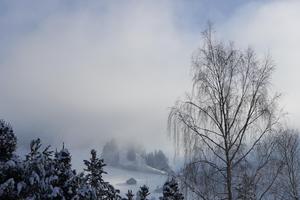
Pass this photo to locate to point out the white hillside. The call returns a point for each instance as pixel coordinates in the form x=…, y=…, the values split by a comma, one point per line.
x=137, y=164
x=118, y=177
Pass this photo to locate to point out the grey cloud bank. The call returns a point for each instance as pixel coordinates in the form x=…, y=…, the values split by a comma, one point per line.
x=84, y=73
x=85, y=77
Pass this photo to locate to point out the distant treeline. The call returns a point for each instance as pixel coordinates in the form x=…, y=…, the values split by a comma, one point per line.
x=111, y=153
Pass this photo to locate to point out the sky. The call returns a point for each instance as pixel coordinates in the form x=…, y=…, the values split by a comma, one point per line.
x=83, y=72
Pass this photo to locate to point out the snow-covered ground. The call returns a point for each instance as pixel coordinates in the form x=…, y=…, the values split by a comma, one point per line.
x=118, y=177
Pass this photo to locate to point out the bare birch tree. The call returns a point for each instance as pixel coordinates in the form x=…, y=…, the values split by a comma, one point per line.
x=229, y=109
x=288, y=149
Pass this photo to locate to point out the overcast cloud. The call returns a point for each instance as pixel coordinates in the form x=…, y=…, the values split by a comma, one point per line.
x=86, y=72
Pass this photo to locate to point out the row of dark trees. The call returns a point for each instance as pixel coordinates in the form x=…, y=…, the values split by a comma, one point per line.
x=229, y=125
x=157, y=159
x=47, y=175
x=271, y=171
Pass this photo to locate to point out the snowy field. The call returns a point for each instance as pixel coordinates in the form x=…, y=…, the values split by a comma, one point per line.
x=118, y=178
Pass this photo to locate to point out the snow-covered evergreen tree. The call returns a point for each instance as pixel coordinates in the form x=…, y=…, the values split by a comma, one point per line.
x=12, y=175
x=110, y=153
x=143, y=193
x=8, y=141
x=66, y=181
x=11, y=167
x=171, y=191
x=112, y=193
x=129, y=195
x=131, y=154
x=94, y=169
x=94, y=177
x=84, y=191
x=40, y=173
